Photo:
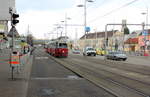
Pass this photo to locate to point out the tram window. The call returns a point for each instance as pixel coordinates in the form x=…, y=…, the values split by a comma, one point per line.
x=62, y=45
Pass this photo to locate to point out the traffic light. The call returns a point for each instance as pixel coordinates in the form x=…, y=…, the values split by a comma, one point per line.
x=14, y=18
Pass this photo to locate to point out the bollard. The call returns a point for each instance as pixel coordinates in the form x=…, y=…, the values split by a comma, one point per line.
x=14, y=62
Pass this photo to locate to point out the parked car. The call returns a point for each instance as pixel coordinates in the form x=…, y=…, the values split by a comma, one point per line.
x=89, y=51
x=116, y=55
x=100, y=51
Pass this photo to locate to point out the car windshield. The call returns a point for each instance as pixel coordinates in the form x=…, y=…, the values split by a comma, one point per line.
x=90, y=49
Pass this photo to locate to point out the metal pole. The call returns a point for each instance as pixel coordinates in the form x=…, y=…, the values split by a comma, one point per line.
x=105, y=41
x=13, y=38
x=13, y=28
x=85, y=22
x=147, y=18
x=65, y=24
x=57, y=32
x=147, y=38
x=143, y=25
x=12, y=72
x=76, y=37
x=106, y=37
x=96, y=38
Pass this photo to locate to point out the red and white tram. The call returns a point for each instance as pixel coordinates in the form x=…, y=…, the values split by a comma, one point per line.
x=57, y=48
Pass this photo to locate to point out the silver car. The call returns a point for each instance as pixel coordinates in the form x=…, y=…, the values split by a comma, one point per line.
x=116, y=55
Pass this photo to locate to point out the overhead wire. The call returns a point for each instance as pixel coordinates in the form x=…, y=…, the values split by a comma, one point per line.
x=114, y=10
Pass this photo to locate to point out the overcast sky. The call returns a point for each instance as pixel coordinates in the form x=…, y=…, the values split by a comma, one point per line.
x=41, y=15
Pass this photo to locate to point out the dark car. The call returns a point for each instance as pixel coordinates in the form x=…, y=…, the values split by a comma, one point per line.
x=116, y=55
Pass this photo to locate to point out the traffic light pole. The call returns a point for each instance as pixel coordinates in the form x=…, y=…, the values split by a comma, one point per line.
x=11, y=13
x=12, y=46
x=14, y=21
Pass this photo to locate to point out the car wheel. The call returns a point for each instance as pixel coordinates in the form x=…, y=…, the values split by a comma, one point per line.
x=124, y=59
x=83, y=54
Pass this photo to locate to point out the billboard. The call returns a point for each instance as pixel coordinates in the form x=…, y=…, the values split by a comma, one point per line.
x=4, y=8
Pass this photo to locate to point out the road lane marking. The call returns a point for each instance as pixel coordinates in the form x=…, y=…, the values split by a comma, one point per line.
x=41, y=58
x=56, y=78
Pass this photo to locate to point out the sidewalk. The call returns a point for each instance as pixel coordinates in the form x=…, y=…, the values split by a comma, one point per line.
x=18, y=87
x=143, y=57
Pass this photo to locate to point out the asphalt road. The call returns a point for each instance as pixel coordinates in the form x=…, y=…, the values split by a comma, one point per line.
x=125, y=79
x=50, y=79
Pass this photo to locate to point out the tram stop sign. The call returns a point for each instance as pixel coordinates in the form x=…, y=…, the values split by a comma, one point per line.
x=87, y=29
x=145, y=33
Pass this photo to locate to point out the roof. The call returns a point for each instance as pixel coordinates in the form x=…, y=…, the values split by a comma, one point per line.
x=99, y=34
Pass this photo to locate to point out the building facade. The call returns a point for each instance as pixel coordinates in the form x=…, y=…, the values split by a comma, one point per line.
x=138, y=42
x=97, y=40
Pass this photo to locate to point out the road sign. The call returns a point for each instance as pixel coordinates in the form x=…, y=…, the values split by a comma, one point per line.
x=145, y=33
x=87, y=29
x=14, y=31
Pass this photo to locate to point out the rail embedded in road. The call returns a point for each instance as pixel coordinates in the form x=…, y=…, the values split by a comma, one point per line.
x=113, y=86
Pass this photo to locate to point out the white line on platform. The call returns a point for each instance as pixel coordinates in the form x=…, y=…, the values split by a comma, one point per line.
x=55, y=78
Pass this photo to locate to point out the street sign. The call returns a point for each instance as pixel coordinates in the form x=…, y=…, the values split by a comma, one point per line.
x=87, y=29
x=145, y=33
x=12, y=31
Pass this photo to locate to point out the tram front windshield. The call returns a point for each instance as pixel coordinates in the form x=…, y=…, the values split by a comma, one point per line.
x=62, y=45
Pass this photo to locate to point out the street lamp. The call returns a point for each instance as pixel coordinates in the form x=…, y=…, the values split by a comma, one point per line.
x=66, y=18
x=145, y=32
x=146, y=13
x=85, y=13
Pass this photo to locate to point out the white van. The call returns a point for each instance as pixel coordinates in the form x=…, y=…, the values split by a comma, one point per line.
x=89, y=51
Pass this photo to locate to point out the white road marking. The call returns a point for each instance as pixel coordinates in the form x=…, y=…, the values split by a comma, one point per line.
x=55, y=78
x=40, y=58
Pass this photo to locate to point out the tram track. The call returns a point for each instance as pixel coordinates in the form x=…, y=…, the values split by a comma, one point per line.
x=124, y=66
x=102, y=81
x=132, y=69
x=127, y=82
x=130, y=83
